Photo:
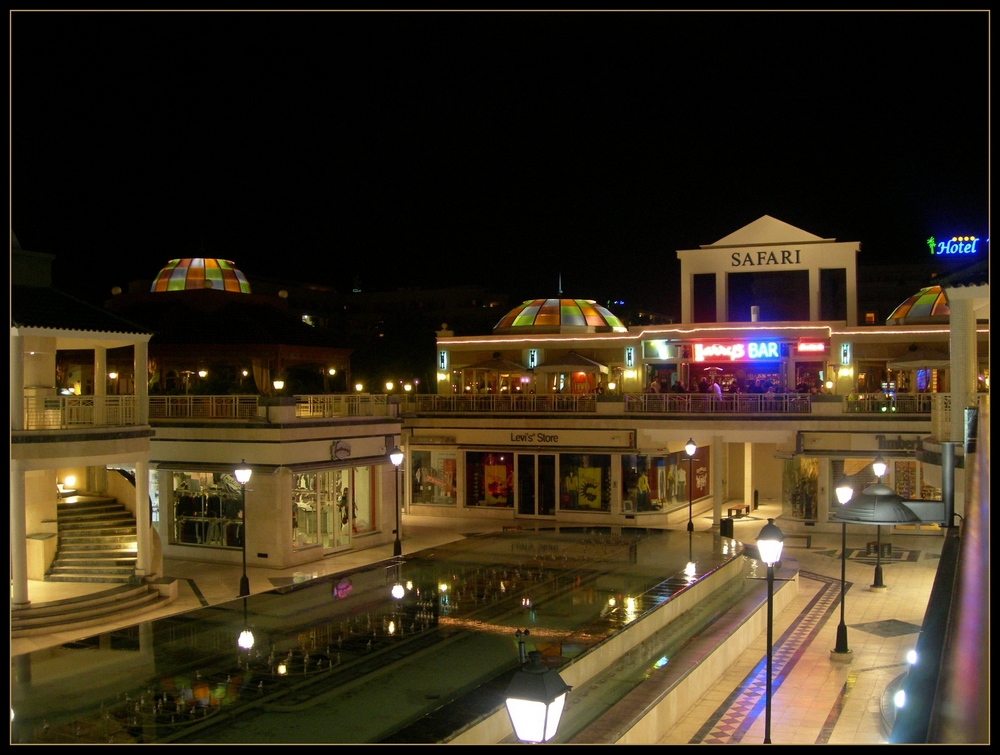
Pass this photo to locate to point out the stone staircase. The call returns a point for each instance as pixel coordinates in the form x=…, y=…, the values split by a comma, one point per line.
x=97, y=541
x=116, y=605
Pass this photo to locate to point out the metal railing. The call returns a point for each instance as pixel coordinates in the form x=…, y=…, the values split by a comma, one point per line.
x=727, y=403
x=68, y=412
x=572, y=403
x=882, y=403
x=341, y=405
x=237, y=407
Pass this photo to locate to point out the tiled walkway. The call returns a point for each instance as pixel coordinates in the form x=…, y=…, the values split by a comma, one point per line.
x=815, y=698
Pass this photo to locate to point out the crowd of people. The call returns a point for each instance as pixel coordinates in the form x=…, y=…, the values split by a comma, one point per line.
x=713, y=386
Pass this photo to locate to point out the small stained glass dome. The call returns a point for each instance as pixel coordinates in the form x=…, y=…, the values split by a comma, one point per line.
x=201, y=272
x=929, y=305
x=560, y=316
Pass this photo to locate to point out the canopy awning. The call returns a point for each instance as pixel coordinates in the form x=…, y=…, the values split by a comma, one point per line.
x=572, y=362
x=920, y=359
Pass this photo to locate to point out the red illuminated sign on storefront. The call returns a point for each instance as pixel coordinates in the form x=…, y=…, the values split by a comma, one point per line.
x=811, y=347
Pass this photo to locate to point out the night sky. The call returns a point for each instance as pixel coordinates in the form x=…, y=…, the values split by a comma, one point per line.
x=427, y=149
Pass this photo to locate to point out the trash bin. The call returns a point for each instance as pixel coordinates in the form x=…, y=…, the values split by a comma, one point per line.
x=756, y=499
x=726, y=527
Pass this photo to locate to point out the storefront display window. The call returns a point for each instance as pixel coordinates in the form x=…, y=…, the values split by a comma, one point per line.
x=799, y=487
x=330, y=506
x=585, y=482
x=858, y=472
x=489, y=479
x=649, y=483
x=208, y=509
x=434, y=477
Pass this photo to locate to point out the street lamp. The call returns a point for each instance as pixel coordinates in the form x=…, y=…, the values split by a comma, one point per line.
x=877, y=505
x=844, y=494
x=243, y=473
x=690, y=448
x=396, y=457
x=769, y=542
x=878, y=467
x=535, y=698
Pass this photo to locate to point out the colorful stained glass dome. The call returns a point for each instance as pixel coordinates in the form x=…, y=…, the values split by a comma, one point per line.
x=560, y=316
x=929, y=305
x=201, y=272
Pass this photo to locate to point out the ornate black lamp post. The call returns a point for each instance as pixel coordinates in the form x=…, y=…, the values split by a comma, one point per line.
x=690, y=449
x=844, y=494
x=243, y=477
x=769, y=543
x=396, y=457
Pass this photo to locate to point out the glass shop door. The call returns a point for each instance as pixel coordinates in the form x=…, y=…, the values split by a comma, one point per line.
x=536, y=485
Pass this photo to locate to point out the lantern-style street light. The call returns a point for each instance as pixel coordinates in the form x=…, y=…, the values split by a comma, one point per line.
x=535, y=699
x=841, y=651
x=769, y=543
x=243, y=477
x=690, y=448
x=396, y=457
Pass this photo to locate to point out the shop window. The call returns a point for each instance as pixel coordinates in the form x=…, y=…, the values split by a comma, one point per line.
x=207, y=509
x=649, y=483
x=489, y=479
x=433, y=479
x=799, y=487
x=305, y=512
x=585, y=483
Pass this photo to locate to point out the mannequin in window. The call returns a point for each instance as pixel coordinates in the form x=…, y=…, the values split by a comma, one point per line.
x=342, y=509
x=642, y=498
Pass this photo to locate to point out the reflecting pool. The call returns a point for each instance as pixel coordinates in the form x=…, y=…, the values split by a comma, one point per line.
x=407, y=650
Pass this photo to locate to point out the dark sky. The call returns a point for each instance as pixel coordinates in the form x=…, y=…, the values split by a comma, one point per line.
x=503, y=149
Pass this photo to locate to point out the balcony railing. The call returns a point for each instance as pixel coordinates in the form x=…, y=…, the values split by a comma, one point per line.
x=69, y=412
x=727, y=403
x=341, y=405
x=881, y=403
x=239, y=407
x=572, y=403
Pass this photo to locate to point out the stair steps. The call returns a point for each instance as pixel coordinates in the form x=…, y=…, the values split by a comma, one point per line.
x=97, y=541
x=116, y=603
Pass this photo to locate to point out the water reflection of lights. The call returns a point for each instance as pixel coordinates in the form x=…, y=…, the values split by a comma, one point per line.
x=526, y=602
x=690, y=571
x=631, y=613
x=612, y=602
x=282, y=669
x=392, y=627
x=397, y=591
x=442, y=587
x=661, y=662
x=409, y=585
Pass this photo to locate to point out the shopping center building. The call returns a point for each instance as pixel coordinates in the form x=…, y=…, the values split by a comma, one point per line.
x=563, y=413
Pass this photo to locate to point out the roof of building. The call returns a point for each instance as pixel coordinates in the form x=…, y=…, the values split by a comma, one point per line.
x=45, y=307
x=928, y=306
x=560, y=316
x=195, y=273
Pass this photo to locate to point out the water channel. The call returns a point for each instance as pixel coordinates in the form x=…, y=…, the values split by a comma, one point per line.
x=339, y=659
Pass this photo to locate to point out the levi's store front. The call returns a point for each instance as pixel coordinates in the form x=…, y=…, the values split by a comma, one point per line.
x=562, y=473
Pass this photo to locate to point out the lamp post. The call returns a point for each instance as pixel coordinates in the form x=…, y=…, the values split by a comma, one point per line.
x=844, y=494
x=878, y=467
x=690, y=448
x=396, y=457
x=769, y=543
x=535, y=697
x=243, y=473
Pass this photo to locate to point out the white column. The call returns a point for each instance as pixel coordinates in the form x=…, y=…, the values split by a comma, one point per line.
x=16, y=389
x=814, y=295
x=964, y=363
x=719, y=461
x=144, y=543
x=100, y=384
x=18, y=538
x=141, y=368
x=748, y=474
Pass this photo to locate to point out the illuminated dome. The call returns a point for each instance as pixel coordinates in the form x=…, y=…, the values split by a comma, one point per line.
x=198, y=273
x=927, y=306
x=560, y=316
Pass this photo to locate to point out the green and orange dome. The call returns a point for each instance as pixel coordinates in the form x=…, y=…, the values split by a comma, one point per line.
x=560, y=316
x=198, y=273
x=929, y=305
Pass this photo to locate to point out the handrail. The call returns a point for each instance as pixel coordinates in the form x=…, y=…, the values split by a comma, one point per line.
x=580, y=403
x=727, y=403
x=71, y=412
x=203, y=407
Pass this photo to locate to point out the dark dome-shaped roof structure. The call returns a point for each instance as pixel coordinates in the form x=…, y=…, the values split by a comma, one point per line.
x=559, y=316
x=199, y=273
x=926, y=307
